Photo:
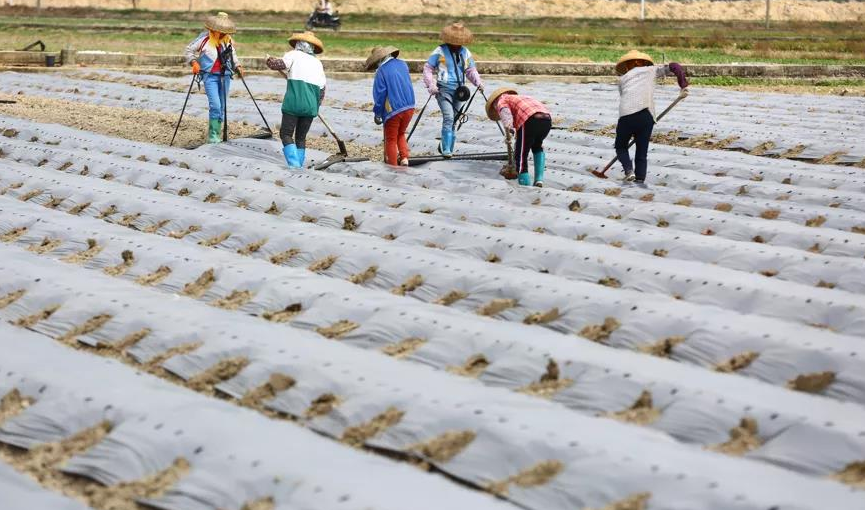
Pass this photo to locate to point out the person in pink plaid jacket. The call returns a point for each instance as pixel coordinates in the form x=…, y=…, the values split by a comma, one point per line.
x=531, y=121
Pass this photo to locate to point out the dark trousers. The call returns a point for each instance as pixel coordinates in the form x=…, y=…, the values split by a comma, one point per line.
x=638, y=125
x=293, y=130
x=531, y=135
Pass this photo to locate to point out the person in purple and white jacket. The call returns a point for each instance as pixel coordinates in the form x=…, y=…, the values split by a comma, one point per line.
x=638, y=76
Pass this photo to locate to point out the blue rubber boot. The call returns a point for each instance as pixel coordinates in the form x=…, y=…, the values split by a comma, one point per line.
x=214, y=131
x=290, y=153
x=524, y=179
x=540, y=166
x=447, y=142
x=301, y=157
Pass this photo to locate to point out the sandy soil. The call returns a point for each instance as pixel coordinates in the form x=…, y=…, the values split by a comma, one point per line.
x=804, y=10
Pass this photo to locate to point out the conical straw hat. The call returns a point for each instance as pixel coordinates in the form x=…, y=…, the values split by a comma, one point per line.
x=491, y=112
x=309, y=37
x=378, y=53
x=632, y=55
x=456, y=34
x=220, y=23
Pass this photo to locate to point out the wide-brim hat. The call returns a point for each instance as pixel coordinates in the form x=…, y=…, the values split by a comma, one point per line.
x=317, y=45
x=220, y=23
x=378, y=53
x=456, y=34
x=632, y=55
x=492, y=113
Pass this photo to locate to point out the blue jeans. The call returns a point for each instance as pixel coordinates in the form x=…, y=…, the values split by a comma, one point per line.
x=638, y=125
x=216, y=90
x=449, y=105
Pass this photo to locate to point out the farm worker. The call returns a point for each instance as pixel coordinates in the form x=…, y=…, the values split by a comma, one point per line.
x=393, y=101
x=532, y=122
x=304, y=92
x=444, y=76
x=212, y=54
x=638, y=76
x=324, y=6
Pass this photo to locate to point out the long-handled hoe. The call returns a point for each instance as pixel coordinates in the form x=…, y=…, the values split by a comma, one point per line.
x=417, y=119
x=603, y=173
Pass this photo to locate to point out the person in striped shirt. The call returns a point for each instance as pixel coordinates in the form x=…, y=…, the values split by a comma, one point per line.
x=638, y=76
x=531, y=121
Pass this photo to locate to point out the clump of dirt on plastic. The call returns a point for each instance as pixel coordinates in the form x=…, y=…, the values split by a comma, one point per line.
x=444, y=447
x=769, y=273
x=323, y=405
x=496, y=306
x=128, y=219
x=816, y=221
x=222, y=371
x=30, y=194
x=349, y=223
x=54, y=202
x=663, y=223
x=638, y=501
x=128, y=260
x=13, y=234
x=493, y=258
x=78, y=209
x=275, y=384
x=233, y=301
x=574, y=206
x=613, y=192
x=14, y=185
x=29, y=321
x=213, y=241
x=284, y=315
x=609, y=281
x=723, y=207
x=338, y=329
x=648, y=197
x=154, y=227
x=737, y=362
x=359, y=434
x=815, y=382
x=410, y=285
x=12, y=404
x=308, y=219
x=155, y=277
x=11, y=297
x=87, y=327
x=451, y=298
x=762, y=148
x=47, y=245
x=273, y=209
x=852, y=474
x=212, y=198
x=663, y=348
x=660, y=252
x=549, y=384
x=108, y=211
x=284, y=256
x=539, y=474
x=124, y=494
x=743, y=439
x=322, y=264
x=770, y=214
x=41, y=461
x=93, y=249
x=542, y=317
x=364, y=276
x=825, y=285
x=185, y=232
x=857, y=230
x=600, y=332
x=201, y=284
x=260, y=504
x=640, y=413
x=252, y=247
x=403, y=348
x=473, y=367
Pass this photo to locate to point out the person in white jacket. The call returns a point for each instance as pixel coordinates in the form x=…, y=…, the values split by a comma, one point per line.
x=212, y=54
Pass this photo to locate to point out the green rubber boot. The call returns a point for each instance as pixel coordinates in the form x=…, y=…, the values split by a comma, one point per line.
x=214, y=131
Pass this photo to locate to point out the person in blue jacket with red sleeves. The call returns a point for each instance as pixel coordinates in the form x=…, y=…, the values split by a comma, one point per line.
x=393, y=101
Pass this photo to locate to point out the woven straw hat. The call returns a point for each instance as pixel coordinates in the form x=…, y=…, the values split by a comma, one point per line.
x=456, y=34
x=378, y=53
x=632, y=55
x=220, y=23
x=309, y=37
x=491, y=112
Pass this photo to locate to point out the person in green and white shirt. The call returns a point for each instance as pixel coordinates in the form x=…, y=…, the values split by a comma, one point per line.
x=304, y=93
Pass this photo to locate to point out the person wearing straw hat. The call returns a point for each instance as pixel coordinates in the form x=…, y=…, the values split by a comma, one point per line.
x=445, y=74
x=304, y=92
x=212, y=54
x=393, y=101
x=638, y=75
x=532, y=122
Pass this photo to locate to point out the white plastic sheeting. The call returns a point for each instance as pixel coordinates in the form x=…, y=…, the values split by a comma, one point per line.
x=17, y=492
x=433, y=403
